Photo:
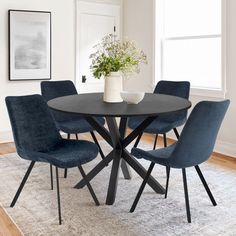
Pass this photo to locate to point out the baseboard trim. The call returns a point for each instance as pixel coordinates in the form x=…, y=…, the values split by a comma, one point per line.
x=225, y=148
x=6, y=137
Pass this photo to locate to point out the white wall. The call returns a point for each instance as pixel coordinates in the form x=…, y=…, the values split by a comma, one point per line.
x=139, y=25
x=117, y=2
x=62, y=50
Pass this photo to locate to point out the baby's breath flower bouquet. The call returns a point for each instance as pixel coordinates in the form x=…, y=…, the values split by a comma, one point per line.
x=113, y=55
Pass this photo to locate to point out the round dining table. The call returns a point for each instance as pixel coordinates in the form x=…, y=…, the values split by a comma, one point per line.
x=91, y=105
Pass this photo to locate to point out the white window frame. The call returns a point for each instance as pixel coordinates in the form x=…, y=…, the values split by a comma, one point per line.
x=158, y=51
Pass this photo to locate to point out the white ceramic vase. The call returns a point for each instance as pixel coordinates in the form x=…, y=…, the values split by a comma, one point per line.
x=112, y=87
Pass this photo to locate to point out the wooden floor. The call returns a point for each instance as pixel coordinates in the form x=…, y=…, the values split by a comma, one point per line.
x=7, y=227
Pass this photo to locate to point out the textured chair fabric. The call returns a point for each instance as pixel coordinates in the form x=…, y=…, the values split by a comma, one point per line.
x=32, y=123
x=67, y=154
x=158, y=126
x=160, y=156
x=193, y=147
x=67, y=123
x=54, y=89
x=196, y=141
x=76, y=126
x=164, y=124
x=178, y=89
x=37, y=138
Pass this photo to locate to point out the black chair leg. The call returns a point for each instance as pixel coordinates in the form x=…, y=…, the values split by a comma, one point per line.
x=155, y=142
x=186, y=195
x=76, y=136
x=137, y=140
x=51, y=175
x=22, y=184
x=176, y=133
x=167, y=180
x=142, y=187
x=205, y=185
x=58, y=197
x=89, y=186
x=165, y=140
x=65, y=173
x=165, y=145
x=65, y=170
x=96, y=142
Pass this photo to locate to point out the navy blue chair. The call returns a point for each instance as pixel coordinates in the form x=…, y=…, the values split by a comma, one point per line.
x=194, y=147
x=69, y=124
x=164, y=124
x=37, y=139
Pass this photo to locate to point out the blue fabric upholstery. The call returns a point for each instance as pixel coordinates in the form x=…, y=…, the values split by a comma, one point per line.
x=54, y=89
x=68, y=123
x=164, y=124
x=37, y=138
x=67, y=154
x=196, y=141
x=78, y=125
x=158, y=126
x=159, y=156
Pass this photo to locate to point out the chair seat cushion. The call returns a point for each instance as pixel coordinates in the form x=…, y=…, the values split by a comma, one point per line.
x=158, y=126
x=161, y=156
x=78, y=125
x=66, y=154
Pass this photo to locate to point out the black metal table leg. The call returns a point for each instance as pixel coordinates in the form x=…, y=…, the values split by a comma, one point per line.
x=124, y=167
x=138, y=140
x=96, y=142
x=99, y=128
x=151, y=107
x=153, y=183
x=111, y=193
x=116, y=138
x=137, y=131
x=116, y=142
x=89, y=186
x=102, y=164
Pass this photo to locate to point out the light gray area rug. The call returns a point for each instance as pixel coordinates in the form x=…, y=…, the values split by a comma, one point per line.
x=35, y=212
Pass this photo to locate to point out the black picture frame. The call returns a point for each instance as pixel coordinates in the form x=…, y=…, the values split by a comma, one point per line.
x=29, y=45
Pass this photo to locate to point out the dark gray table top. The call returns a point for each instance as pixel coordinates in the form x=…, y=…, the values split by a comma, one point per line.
x=92, y=104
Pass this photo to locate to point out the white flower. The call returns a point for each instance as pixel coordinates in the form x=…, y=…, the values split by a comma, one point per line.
x=115, y=55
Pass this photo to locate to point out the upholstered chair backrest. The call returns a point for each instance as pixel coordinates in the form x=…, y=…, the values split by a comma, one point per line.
x=54, y=89
x=198, y=137
x=32, y=123
x=174, y=88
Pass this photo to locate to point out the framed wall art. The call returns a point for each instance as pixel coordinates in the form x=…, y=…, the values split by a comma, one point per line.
x=29, y=45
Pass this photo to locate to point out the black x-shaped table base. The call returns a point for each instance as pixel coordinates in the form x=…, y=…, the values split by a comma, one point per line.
x=119, y=155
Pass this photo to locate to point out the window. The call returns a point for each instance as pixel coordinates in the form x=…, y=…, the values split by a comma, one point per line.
x=189, y=42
